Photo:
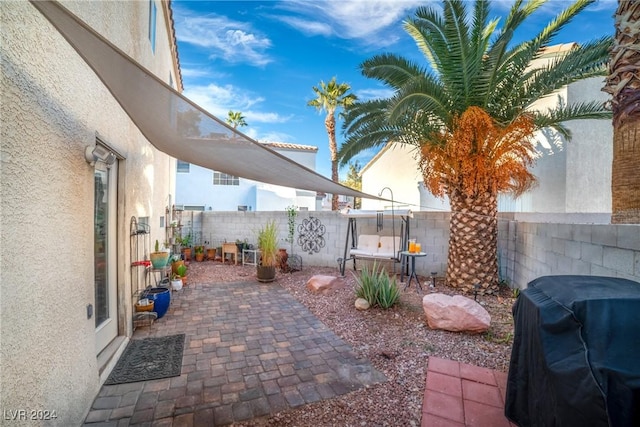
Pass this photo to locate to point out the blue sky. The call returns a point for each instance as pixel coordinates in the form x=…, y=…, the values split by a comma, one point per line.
x=263, y=57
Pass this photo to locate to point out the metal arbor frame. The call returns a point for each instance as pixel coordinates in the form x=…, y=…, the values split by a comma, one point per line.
x=352, y=233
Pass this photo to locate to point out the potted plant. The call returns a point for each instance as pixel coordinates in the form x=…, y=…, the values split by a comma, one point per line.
x=199, y=251
x=185, y=242
x=159, y=258
x=182, y=273
x=176, y=262
x=176, y=282
x=268, y=245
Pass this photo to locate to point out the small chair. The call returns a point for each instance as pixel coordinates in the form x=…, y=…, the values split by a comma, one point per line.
x=230, y=248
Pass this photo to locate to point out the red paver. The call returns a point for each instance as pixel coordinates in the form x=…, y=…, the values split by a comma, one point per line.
x=481, y=415
x=444, y=366
x=477, y=374
x=430, y=420
x=481, y=403
x=444, y=384
x=482, y=393
x=443, y=405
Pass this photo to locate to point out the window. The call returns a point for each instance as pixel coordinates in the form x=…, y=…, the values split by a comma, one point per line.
x=152, y=25
x=242, y=208
x=220, y=178
x=183, y=167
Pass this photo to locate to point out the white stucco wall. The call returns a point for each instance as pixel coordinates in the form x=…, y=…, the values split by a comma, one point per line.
x=52, y=106
x=395, y=167
x=589, y=154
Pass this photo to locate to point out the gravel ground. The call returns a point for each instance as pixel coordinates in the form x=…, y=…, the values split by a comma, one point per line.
x=397, y=341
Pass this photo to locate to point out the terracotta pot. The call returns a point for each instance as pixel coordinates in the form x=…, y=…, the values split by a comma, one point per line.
x=200, y=256
x=184, y=280
x=175, y=265
x=283, y=256
x=211, y=254
x=186, y=253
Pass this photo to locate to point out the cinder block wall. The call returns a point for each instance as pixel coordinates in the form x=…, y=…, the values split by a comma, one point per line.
x=526, y=249
x=529, y=250
x=429, y=228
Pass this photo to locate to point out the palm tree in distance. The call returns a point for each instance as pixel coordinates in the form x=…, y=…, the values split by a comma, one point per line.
x=623, y=83
x=235, y=119
x=330, y=97
x=469, y=114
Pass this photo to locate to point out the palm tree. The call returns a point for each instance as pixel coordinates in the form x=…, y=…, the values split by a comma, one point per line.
x=235, y=119
x=623, y=83
x=330, y=97
x=470, y=114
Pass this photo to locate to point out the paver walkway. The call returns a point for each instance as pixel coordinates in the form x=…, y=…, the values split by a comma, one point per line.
x=457, y=394
x=251, y=350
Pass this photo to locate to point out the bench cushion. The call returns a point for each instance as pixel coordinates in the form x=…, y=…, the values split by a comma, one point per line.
x=374, y=246
x=387, y=245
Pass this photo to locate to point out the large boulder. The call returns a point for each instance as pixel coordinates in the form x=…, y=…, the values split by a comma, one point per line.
x=323, y=284
x=457, y=313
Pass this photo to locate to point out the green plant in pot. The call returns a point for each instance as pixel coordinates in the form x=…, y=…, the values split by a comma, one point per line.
x=185, y=242
x=176, y=282
x=199, y=251
x=182, y=273
x=268, y=245
x=159, y=258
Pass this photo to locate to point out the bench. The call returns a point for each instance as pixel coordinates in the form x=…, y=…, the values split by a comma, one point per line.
x=372, y=246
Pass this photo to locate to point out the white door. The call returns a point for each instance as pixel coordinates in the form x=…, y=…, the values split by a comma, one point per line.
x=106, y=288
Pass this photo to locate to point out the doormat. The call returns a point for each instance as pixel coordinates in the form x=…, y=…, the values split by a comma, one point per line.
x=149, y=359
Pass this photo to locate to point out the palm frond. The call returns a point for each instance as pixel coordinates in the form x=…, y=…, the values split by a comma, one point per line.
x=557, y=117
x=391, y=69
x=427, y=30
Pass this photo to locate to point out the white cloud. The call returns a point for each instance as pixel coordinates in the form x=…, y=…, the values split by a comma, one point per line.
x=367, y=94
x=218, y=100
x=310, y=28
x=222, y=37
x=351, y=19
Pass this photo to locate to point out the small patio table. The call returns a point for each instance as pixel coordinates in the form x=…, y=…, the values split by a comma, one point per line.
x=413, y=256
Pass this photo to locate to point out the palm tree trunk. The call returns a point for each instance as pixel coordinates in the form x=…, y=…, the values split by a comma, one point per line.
x=473, y=242
x=625, y=178
x=623, y=83
x=330, y=124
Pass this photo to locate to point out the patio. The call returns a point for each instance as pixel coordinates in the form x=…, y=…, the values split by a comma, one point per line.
x=252, y=350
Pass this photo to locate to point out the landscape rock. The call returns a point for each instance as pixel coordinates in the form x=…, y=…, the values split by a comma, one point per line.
x=456, y=313
x=323, y=284
x=362, y=304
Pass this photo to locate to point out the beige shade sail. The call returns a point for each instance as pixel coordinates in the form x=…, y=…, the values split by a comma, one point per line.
x=174, y=124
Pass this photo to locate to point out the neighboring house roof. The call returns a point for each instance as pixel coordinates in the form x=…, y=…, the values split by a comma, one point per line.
x=289, y=146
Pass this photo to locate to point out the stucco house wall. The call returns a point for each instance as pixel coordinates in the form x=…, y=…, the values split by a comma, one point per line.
x=53, y=105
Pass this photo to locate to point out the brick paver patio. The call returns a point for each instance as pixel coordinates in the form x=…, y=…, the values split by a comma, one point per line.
x=251, y=350
x=461, y=395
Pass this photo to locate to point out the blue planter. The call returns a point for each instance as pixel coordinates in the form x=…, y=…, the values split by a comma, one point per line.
x=161, y=298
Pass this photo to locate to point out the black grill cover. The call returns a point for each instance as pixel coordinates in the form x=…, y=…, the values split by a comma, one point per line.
x=576, y=353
